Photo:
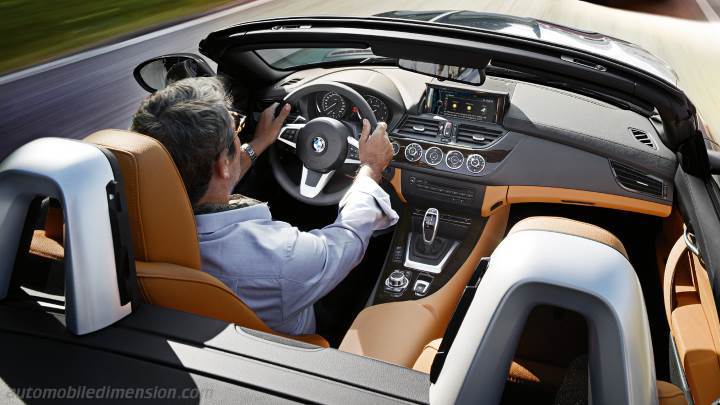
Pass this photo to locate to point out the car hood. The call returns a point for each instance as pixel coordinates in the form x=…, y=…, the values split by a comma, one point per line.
x=591, y=42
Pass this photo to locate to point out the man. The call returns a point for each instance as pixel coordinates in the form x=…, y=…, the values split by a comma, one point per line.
x=279, y=271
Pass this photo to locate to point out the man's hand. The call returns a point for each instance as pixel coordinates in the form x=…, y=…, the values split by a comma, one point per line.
x=375, y=150
x=268, y=127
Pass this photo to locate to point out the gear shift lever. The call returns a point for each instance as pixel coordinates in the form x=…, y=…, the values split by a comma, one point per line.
x=430, y=252
x=430, y=225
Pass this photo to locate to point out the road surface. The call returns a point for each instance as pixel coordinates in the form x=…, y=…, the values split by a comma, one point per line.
x=76, y=96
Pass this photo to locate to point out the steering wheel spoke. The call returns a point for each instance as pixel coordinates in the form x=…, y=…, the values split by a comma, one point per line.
x=289, y=134
x=353, y=152
x=312, y=182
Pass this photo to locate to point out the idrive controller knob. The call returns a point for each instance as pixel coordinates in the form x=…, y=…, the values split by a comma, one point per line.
x=397, y=280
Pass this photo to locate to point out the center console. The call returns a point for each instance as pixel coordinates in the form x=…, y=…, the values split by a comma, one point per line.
x=443, y=152
x=433, y=238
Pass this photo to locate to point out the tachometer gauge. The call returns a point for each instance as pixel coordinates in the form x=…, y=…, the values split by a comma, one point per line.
x=333, y=105
x=379, y=108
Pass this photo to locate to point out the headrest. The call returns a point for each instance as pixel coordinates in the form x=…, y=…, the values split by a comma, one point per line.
x=160, y=214
x=570, y=227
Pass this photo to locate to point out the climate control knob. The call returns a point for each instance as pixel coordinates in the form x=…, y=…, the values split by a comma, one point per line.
x=433, y=156
x=454, y=159
x=397, y=280
x=475, y=163
x=413, y=152
x=396, y=148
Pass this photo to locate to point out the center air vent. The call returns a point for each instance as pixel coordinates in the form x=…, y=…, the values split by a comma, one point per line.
x=635, y=180
x=642, y=137
x=419, y=127
x=476, y=135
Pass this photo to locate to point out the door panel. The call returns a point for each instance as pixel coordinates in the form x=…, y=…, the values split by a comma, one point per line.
x=693, y=319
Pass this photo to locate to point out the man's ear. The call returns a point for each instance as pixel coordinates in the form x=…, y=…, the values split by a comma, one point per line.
x=221, y=166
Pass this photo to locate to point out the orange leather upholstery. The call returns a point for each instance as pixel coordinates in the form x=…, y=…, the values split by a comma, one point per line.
x=670, y=394
x=48, y=242
x=161, y=218
x=165, y=238
x=521, y=371
x=397, y=332
x=693, y=319
x=44, y=246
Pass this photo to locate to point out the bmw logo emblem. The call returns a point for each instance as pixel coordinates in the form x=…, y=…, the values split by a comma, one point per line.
x=318, y=144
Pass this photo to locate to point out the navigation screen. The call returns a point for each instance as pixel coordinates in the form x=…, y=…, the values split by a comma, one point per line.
x=472, y=106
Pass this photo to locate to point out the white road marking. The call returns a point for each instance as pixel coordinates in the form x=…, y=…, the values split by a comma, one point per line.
x=112, y=47
x=707, y=9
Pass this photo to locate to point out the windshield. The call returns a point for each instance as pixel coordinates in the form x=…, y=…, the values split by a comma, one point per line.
x=289, y=58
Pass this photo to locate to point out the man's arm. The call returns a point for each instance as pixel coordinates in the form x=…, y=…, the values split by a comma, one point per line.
x=318, y=260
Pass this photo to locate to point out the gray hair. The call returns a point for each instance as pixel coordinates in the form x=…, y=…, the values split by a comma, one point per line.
x=190, y=118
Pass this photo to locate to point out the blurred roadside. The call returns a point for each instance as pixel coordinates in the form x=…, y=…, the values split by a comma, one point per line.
x=698, y=10
x=34, y=31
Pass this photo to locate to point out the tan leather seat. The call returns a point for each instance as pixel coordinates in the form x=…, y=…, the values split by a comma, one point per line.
x=165, y=240
x=541, y=349
x=47, y=242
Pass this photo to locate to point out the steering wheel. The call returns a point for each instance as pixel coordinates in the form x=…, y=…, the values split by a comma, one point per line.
x=323, y=145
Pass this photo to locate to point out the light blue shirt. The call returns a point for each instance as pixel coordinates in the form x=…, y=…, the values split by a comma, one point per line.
x=279, y=271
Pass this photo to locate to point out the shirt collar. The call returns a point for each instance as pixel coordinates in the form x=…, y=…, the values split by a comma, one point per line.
x=209, y=223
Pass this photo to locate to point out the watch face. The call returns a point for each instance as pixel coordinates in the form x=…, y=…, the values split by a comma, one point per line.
x=249, y=150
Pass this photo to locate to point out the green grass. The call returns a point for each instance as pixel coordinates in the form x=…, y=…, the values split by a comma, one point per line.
x=34, y=31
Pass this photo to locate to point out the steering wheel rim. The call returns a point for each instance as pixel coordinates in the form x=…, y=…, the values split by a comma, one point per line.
x=307, y=134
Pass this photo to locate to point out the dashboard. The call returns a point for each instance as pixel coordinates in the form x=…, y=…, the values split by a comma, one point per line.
x=504, y=132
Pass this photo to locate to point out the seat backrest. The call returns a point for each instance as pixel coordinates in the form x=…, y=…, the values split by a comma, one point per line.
x=160, y=214
x=560, y=263
x=164, y=235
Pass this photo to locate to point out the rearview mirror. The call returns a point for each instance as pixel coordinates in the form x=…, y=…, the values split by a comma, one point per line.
x=444, y=72
x=154, y=74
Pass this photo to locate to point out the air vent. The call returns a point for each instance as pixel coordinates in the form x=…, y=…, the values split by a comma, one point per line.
x=643, y=137
x=635, y=180
x=419, y=127
x=291, y=81
x=476, y=135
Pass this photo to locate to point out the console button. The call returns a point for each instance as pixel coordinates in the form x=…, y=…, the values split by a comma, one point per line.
x=421, y=287
x=475, y=163
x=433, y=156
x=454, y=159
x=413, y=152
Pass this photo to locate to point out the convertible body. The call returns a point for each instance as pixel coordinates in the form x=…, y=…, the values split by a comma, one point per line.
x=557, y=243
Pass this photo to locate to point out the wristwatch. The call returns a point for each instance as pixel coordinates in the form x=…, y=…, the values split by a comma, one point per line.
x=250, y=151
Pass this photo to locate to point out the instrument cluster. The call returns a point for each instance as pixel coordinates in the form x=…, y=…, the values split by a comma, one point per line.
x=333, y=105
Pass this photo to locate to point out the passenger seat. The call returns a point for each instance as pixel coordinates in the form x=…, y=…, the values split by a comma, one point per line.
x=550, y=357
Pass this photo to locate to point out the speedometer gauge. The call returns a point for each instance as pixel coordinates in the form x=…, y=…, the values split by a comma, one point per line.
x=333, y=105
x=378, y=107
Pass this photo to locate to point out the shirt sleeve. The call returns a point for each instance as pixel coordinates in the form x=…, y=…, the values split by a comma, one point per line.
x=318, y=260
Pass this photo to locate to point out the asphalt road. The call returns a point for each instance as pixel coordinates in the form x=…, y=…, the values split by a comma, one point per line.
x=76, y=96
